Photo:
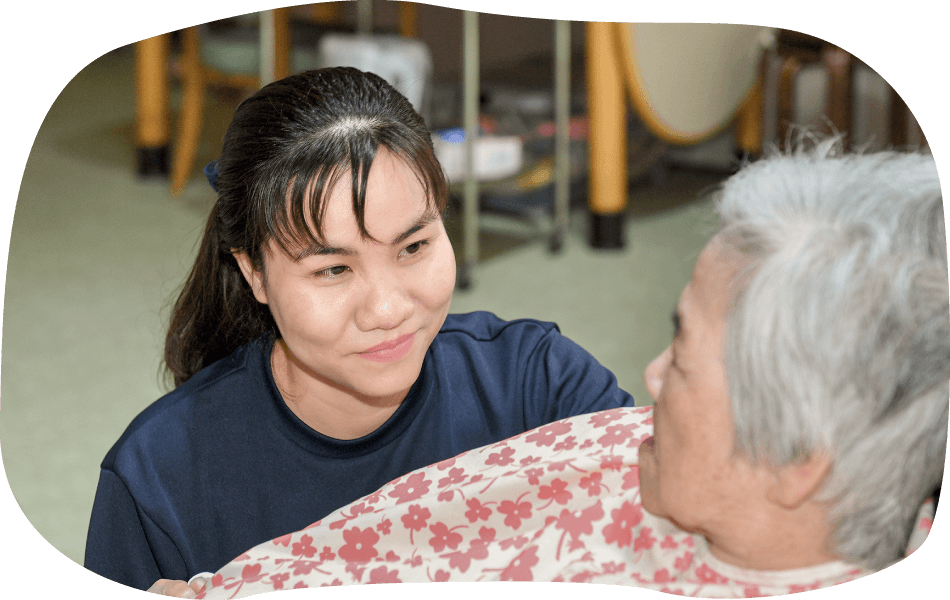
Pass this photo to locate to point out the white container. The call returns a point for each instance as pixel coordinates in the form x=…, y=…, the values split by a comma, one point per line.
x=495, y=157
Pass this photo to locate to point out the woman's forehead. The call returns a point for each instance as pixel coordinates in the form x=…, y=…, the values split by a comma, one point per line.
x=325, y=209
x=298, y=221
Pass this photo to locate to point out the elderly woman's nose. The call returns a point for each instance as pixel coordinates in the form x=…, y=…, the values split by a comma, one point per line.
x=655, y=373
x=386, y=304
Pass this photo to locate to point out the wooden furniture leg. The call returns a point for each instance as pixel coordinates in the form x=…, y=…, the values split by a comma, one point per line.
x=282, y=45
x=786, y=97
x=838, y=65
x=608, y=136
x=152, y=106
x=749, y=117
x=192, y=110
x=407, y=19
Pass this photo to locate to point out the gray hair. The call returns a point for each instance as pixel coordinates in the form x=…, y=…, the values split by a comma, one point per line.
x=839, y=334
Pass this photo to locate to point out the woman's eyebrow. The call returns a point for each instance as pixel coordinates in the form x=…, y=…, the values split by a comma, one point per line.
x=321, y=250
x=317, y=249
x=424, y=220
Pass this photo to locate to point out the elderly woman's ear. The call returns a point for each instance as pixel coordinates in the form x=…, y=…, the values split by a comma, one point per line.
x=795, y=483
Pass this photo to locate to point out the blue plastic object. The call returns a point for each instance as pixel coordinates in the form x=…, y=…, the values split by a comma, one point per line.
x=455, y=135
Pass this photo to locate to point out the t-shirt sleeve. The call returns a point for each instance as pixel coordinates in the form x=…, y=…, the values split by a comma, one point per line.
x=123, y=544
x=563, y=380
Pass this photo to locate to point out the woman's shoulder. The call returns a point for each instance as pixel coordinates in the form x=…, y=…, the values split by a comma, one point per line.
x=516, y=340
x=183, y=415
x=485, y=326
x=495, y=340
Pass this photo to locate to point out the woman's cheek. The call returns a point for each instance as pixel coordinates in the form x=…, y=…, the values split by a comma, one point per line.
x=319, y=312
x=437, y=281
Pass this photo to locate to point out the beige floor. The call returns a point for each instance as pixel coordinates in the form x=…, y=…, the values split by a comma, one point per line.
x=95, y=255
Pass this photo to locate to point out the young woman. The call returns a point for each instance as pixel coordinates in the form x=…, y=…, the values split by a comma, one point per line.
x=311, y=344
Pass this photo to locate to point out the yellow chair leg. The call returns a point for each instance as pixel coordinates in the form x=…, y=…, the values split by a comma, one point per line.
x=748, y=124
x=151, y=88
x=786, y=98
x=608, y=136
x=282, y=45
x=192, y=109
x=407, y=19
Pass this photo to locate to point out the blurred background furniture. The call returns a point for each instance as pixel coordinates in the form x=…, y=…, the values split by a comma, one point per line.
x=276, y=56
x=237, y=60
x=717, y=68
x=796, y=50
x=249, y=55
x=231, y=57
x=471, y=93
x=655, y=92
x=792, y=54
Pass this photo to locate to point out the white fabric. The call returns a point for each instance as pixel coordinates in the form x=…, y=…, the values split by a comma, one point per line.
x=559, y=503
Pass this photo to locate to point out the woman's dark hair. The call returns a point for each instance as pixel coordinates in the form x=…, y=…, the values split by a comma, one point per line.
x=310, y=128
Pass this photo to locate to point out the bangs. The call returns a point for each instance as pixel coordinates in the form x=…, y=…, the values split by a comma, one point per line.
x=295, y=202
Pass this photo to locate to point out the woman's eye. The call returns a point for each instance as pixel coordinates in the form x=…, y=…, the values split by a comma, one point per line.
x=332, y=272
x=414, y=248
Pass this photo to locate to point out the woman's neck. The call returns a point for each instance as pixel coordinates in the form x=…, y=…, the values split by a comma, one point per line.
x=775, y=539
x=329, y=409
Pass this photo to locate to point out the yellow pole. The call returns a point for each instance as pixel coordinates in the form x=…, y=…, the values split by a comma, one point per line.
x=152, y=127
x=748, y=128
x=282, y=43
x=407, y=19
x=608, y=136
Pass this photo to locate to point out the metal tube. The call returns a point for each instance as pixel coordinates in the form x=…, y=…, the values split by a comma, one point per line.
x=364, y=16
x=268, y=40
x=470, y=90
x=562, y=112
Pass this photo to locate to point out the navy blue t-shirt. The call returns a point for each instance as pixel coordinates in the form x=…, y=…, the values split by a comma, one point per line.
x=221, y=464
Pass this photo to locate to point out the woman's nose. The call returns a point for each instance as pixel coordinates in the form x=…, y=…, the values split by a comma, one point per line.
x=385, y=305
x=655, y=373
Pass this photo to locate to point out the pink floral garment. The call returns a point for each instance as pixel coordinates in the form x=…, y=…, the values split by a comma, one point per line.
x=559, y=503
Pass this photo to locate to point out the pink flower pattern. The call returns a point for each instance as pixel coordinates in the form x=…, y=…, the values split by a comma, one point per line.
x=570, y=512
x=442, y=536
x=412, y=489
x=515, y=511
x=360, y=545
x=545, y=436
x=477, y=510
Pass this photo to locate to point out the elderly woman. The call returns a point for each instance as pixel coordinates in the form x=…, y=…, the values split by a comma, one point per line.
x=800, y=423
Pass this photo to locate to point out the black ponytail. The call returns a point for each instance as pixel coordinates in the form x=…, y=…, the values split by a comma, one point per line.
x=216, y=312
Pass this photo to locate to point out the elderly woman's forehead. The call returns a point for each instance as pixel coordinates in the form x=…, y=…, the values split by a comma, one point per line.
x=719, y=261
x=711, y=288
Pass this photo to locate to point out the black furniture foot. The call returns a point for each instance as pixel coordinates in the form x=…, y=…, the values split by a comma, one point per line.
x=606, y=231
x=152, y=161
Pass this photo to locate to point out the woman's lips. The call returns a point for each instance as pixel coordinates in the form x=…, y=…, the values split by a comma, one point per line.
x=390, y=351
